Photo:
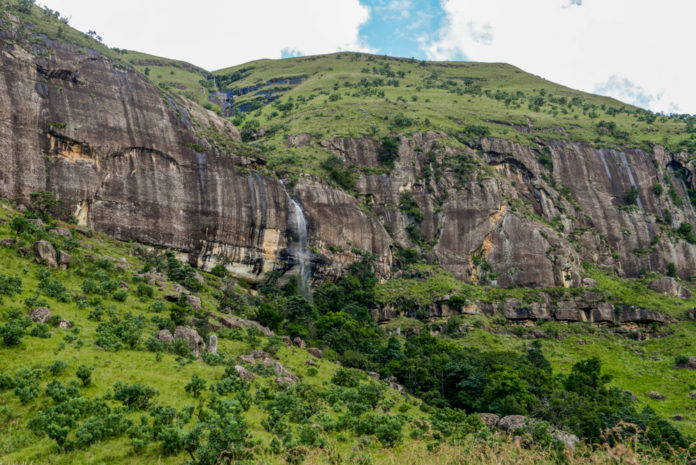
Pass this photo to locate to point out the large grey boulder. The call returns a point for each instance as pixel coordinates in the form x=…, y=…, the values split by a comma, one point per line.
x=46, y=253
x=40, y=315
x=244, y=373
x=193, y=301
x=640, y=315
x=213, y=344
x=603, y=312
x=165, y=335
x=670, y=286
x=489, y=419
x=570, y=440
x=64, y=259
x=315, y=352
x=234, y=322
x=512, y=422
x=61, y=232
x=191, y=336
x=513, y=309
x=567, y=310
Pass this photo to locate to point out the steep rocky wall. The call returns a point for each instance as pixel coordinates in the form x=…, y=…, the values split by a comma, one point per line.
x=123, y=157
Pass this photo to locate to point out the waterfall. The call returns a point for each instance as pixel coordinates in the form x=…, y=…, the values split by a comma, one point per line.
x=298, y=226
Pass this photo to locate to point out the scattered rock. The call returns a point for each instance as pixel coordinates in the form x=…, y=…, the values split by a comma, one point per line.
x=191, y=336
x=512, y=422
x=172, y=296
x=84, y=232
x=61, y=232
x=690, y=363
x=316, y=352
x=64, y=259
x=570, y=440
x=8, y=242
x=36, y=222
x=64, y=324
x=179, y=289
x=287, y=341
x=244, y=373
x=21, y=208
x=489, y=419
x=656, y=396
x=122, y=264
x=397, y=387
x=285, y=381
x=691, y=313
x=234, y=322
x=254, y=356
x=40, y=315
x=678, y=418
x=226, y=310
x=123, y=285
x=198, y=278
x=212, y=344
x=165, y=335
x=589, y=282
x=299, y=343
x=194, y=301
x=46, y=253
x=373, y=375
x=670, y=286
x=311, y=362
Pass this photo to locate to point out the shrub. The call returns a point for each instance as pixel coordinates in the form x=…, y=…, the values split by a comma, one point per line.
x=134, y=396
x=338, y=171
x=12, y=332
x=121, y=295
x=57, y=367
x=9, y=285
x=40, y=330
x=84, y=373
x=631, y=196
x=145, y=291
x=671, y=270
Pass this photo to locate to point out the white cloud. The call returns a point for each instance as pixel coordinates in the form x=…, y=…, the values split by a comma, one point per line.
x=217, y=33
x=582, y=46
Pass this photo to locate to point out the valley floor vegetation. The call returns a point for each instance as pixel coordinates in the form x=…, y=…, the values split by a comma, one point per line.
x=85, y=379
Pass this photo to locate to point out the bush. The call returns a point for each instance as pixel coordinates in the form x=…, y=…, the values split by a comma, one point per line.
x=631, y=196
x=57, y=367
x=40, y=330
x=9, y=286
x=84, y=373
x=13, y=331
x=338, y=171
x=121, y=295
x=145, y=291
x=388, y=151
x=134, y=396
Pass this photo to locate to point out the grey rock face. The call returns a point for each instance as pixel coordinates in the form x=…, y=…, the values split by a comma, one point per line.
x=194, y=301
x=61, y=232
x=640, y=315
x=64, y=259
x=670, y=286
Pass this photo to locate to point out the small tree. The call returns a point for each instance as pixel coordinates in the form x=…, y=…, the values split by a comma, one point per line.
x=196, y=386
x=631, y=196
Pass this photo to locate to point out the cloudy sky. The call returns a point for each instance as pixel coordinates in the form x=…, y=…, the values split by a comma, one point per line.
x=639, y=51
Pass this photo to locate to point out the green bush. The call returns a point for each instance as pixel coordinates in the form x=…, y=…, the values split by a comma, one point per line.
x=195, y=386
x=84, y=373
x=41, y=330
x=134, y=396
x=388, y=151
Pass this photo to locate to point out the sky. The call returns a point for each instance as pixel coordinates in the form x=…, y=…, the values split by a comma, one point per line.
x=638, y=51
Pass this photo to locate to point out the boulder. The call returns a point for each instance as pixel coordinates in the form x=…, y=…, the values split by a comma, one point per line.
x=254, y=356
x=397, y=387
x=691, y=313
x=61, y=232
x=64, y=259
x=64, y=324
x=212, y=344
x=285, y=381
x=656, y=396
x=316, y=352
x=7, y=242
x=46, y=253
x=690, y=363
x=589, y=282
x=670, y=286
x=299, y=343
x=84, y=232
x=179, y=289
x=193, y=301
x=165, y=335
x=287, y=341
x=570, y=440
x=36, y=222
x=311, y=362
x=191, y=336
x=640, y=315
x=171, y=296
x=512, y=422
x=123, y=285
x=40, y=315
x=373, y=374
x=489, y=419
x=234, y=322
x=244, y=373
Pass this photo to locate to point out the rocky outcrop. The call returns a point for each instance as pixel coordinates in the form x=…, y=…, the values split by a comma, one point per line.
x=40, y=315
x=232, y=322
x=670, y=286
x=192, y=338
x=46, y=253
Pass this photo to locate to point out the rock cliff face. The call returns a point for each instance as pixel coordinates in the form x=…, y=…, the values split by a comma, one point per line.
x=124, y=158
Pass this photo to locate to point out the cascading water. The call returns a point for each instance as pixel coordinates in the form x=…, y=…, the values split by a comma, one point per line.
x=300, y=251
